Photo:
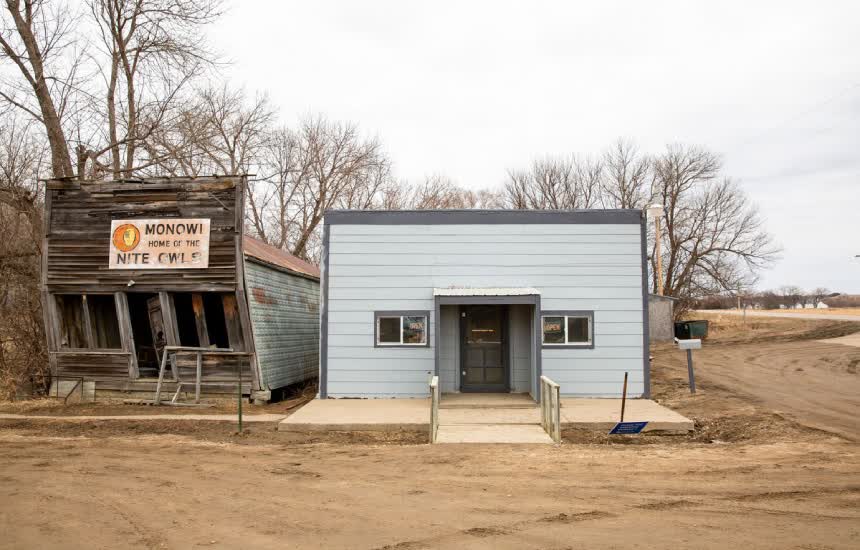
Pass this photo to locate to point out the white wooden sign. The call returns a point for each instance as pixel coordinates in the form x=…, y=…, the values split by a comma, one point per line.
x=166, y=243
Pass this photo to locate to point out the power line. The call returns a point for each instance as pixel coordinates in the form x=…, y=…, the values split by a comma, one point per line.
x=800, y=115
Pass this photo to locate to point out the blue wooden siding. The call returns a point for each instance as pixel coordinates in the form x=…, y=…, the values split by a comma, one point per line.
x=395, y=267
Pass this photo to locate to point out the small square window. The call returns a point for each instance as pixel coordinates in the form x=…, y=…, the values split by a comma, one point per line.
x=389, y=330
x=577, y=330
x=407, y=328
x=573, y=329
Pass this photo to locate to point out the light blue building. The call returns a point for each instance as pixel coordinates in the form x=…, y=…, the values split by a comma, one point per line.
x=487, y=300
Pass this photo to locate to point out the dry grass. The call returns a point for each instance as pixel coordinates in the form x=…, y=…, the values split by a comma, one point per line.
x=733, y=329
x=832, y=310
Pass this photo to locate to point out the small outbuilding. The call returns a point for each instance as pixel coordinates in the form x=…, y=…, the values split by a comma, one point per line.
x=134, y=270
x=661, y=318
x=489, y=301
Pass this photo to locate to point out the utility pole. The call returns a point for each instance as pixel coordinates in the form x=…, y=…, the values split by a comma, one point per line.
x=655, y=211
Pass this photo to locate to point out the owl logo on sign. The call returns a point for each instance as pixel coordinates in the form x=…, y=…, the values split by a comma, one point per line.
x=126, y=237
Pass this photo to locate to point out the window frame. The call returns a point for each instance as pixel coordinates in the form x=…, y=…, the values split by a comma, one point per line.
x=586, y=314
x=88, y=321
x=377, y=315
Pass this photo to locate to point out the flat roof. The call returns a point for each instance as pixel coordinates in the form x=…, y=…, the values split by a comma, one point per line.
x=458, y=217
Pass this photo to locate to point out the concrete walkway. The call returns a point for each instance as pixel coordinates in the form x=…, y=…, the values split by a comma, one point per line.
x=359, y=415
x=602, y=414
x=478, y=423
x=212, y=417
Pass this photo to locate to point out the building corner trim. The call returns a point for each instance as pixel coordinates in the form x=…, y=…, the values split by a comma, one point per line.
x=646, y=353
x=324, y=263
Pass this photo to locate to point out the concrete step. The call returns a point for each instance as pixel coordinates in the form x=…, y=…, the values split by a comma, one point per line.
x=492, y=433
x=493, y=415
x=487, y=401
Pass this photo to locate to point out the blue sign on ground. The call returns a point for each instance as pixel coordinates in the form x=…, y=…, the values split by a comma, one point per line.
x=624, y=428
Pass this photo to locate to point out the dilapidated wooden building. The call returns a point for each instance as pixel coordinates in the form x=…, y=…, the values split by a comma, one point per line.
x=136, y=269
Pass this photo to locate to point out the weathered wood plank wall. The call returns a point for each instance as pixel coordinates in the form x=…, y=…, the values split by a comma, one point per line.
x=77, y=239
x=79, y=222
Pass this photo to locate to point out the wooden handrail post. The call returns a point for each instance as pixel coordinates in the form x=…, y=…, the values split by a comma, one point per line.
x=550, y=396
x=199, y=376
x=434, y=408
x=160, y=376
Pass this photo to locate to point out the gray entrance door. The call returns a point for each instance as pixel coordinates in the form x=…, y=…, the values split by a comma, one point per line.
x=483, y=349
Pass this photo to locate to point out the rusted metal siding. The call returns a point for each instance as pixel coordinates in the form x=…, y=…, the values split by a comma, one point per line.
x=285, y=319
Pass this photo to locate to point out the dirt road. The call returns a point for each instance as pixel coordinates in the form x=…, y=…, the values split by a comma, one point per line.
x=747, y=477
x=176, y=492
x=810, y=378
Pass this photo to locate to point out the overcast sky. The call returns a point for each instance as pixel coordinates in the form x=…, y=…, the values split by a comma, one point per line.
x=470, y=89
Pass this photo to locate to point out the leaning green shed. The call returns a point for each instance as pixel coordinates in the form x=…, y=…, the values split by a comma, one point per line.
x=284, y=300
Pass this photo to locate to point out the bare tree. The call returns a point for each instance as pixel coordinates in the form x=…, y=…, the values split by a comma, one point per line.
x=321, y=165
x=271, y=211
x=818, y=295
x=153, y=46
x=555, y=184
x=714, y=238
x=791, y=295
x=436, y=192
x=626, y=176
x=150, y=50
x=23, y=356
x=218, y=131
x=35, y=39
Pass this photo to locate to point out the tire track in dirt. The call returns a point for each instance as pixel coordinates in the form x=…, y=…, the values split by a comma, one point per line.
x=488, y=531
x=809, y=384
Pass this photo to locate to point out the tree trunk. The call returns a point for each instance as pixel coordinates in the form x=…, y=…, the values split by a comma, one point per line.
x=111, y=105
x=61, y=161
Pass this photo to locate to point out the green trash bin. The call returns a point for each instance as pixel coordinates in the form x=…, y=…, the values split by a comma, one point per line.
x=687, y=330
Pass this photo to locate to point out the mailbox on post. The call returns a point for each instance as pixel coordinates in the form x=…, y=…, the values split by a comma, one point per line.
x=690, y=345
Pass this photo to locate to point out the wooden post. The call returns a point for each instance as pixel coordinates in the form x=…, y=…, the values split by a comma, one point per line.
x=239, y=367
x=623, y=397
x=160, y=376
x=690, y=374
x=200, y=319
x=88, y=322
x=168, y=316
x=659, y=256
x=556, y=416
x=199, y=376
x=126, y=335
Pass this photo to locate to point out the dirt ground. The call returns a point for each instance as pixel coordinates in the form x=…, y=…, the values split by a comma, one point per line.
x=780, y=470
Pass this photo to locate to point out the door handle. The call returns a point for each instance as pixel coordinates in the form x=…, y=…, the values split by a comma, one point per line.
x=464, y=373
